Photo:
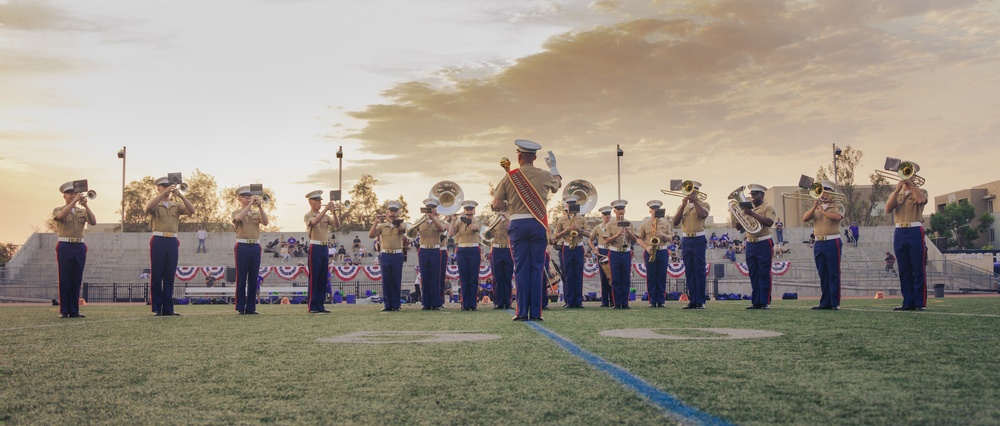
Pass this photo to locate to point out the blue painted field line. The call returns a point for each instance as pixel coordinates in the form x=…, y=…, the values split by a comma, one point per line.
x=669, y=403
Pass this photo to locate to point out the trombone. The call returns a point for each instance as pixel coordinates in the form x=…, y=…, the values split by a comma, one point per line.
x=682, y=189
x=903, y=170
x=814, y=191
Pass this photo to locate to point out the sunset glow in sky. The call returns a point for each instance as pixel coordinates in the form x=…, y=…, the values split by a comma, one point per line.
x=723, y=92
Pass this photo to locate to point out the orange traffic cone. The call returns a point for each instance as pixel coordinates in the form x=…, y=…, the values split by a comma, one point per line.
x=684, y=298
x=83, y=302
x=284, y=301
x=879, y=295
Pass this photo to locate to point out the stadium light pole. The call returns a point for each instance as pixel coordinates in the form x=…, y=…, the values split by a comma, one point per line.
x=836, y=153
x=620, y=154
x=121, y=154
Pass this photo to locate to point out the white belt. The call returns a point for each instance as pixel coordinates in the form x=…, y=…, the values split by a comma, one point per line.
x=165, y=234
x=468, y=245
x=521, y=216
x=620, y=249
x=828, y=237
x=696, y=234
x=602, y=247
x=432, y=246
x=580, y=244
x=247, y=241
x=400, y=251
x=754, y=240
x=910, y=225
x=70, y=240
x=498, y=246
x=317, y=242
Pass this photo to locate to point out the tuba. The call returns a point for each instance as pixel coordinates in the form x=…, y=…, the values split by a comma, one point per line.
x=904, y=170
x=449, y=194
x=682, y=189
x=737, y=200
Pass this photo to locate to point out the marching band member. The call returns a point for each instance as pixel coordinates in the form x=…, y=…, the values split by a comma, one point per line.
x=464, y=228
x=653, y=237
x=826, y=216
x=571, y=252
x=523, y=193
x=318, y=224
x=759, y=248
x=600, y=250
x=690, y=217
x=906, y=204
x=429, y=256
x=502, y=264
x=391, y=255
x=619, y=242
x=165, y=216
x=71, y=221
x=247, y=250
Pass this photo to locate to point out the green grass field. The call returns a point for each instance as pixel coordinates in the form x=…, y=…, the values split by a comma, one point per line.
x=861, y=365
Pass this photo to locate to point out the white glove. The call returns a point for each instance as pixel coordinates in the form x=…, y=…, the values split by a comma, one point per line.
x=551, y=162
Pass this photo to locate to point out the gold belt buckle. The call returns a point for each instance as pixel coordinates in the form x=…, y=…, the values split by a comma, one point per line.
x=75, y=240
x=904, y=225
x=168, y=234
x=249, y=241
x=752, y=240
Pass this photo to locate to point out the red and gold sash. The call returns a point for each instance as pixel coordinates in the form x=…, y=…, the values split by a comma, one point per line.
x=529, y=195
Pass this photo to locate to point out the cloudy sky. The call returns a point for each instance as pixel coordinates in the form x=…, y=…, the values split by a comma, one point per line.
x=724, y=92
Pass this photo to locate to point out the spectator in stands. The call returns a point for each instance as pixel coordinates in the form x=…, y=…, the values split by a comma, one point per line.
x=854, y=233
x=357, y=244
x=731, y=254
x=202, y=235
x=779, y=229
x=713, y=242
x=890, y=264
x=672, y=250
x=210, y=281
x=284, y=253
x=341, y=254
x=724, y=240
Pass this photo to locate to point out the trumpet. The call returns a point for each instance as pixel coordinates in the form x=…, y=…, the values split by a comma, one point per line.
x=91, y=194
x=904, y=170
x=682, y=189
x=737, y=200
x=182, y=187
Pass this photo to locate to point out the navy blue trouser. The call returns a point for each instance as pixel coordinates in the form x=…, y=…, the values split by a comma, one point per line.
x=911, y=253
x=71, y=257
x=528, y=245
x=247, y=270
x=606, y=290
x=656, y=277
x=162, y=269
x=392, y=279
x=468, y=259
x=319, y=270
x=572, y=265
x=621, y=277
x=503, y=272
x=429, y=261
x=827, y=254
x=693, y=254
x=759, y=263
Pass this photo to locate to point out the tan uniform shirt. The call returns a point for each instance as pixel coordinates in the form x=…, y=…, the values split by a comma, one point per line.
x=599, y=234
x=73, y=225
x=617, y=243
x=429, y=233
x=907, y=210
x=465, y=235
x=824, y=226
x=691, y=223
x=542, y=180
x=167, y=219
x=391, y=238
x=767, y=211
x=662, y=225
x=500, y=235
x=249, y=228
x=320, y=231
x=565, y=223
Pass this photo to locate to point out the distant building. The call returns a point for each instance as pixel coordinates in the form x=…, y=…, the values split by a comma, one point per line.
x=982, y=198
x=790, y=210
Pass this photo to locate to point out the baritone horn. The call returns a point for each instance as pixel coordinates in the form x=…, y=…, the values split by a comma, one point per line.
x=737, y=202
x=903, y=170
x=488, y=233
x=679, y=188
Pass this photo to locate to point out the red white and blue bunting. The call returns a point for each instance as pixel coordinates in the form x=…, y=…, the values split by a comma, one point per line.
x=373, y=272
x=451, y=272
x=639, y=268
x=742, y=268
x=485, y=272
x=187, y=273
x=345, y=273
x=289, y=273
x=216, y=272
x=590, y=270
x=264, y=272
x=676, y=270
x=777, y=268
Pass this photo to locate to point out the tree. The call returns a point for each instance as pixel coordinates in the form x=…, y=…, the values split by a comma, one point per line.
x=364, y=206
x=954, y=223
x=7, y=251
x=881, y=188
x=203, y=193
x=137, y=193
x=856, y=208
x=230, y=203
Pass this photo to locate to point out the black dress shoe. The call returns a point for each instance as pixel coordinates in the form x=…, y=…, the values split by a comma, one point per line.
x=902, y=308
x=616, y=307
x=701, y=306
x=626, y=307
x=519, y=318
x=77, y=316
x=834, y=308
x=545, y=308
x=689, y=306
x=174, y=314
x=920, y=309
x=314, y=312
x=252, y=313
x=425, y=308
x=156, y=314
x=536, y=318
x=817, y=308
x=240, y=313
x=765, y=306
x=753, y=307
x=566, y=305
x=63, y=315
x=324, y=311
x=386, y=310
